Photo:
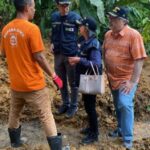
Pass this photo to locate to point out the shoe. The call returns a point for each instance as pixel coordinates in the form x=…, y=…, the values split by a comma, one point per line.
x=63, y=109
x=90, y=138
x=115, y=133
x=85, y=130
x=127, y=144
x=71, y=112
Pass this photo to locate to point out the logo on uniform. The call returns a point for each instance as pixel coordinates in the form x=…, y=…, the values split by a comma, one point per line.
x=13, y=40
x=69, y=29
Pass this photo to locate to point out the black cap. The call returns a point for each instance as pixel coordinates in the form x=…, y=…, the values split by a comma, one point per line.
x=61, y=2
x=90, y=23
x=120, y=12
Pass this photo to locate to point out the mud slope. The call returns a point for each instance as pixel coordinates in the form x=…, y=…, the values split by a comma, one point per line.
x=105, y=111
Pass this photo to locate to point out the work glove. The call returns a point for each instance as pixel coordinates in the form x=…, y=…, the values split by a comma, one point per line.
x=57, y=81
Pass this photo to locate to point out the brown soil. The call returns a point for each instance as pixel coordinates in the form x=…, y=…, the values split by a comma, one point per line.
x=70, y=127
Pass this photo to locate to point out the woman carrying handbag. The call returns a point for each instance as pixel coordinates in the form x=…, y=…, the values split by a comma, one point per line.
x=90, y=52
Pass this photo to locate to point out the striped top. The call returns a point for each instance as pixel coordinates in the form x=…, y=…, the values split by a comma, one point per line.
x=120, y=52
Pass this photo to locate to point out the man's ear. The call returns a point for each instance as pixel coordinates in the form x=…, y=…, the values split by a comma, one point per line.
x=26, y=8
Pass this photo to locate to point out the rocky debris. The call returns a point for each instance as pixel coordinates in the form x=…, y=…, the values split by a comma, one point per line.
x=32, y=132
x=105, y=108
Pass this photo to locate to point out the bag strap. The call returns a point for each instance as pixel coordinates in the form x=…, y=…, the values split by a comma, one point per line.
x=86, y=73
x=94, y=69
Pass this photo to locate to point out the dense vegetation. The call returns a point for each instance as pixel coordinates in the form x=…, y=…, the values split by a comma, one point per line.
x=139, y=15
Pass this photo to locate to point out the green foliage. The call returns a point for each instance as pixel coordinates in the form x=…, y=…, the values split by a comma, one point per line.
x=44, y=8
x=95, y=9
x=138, y=16
x=98, y=8
x=139, y=19
x=7, y=11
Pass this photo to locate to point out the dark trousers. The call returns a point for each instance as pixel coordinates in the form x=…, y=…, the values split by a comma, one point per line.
x=67, y=73
x=90, y=104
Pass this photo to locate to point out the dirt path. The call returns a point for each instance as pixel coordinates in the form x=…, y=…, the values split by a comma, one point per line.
x=36, y=138
x=146, y=69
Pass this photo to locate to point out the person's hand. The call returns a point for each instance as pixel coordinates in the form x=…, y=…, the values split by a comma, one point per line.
x=57, y=81
x=52, y=48
x=73, y=60
x=126, y=86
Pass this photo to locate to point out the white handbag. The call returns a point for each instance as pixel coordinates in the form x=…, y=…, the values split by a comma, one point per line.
x=92, y=84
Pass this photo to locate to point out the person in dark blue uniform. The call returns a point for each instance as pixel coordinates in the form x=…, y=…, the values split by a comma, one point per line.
x=64, y=44
x=90, y=51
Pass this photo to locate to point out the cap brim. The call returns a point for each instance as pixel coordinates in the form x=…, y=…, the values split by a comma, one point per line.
x=115, y=15
x=62, y=3
x=78, y=22
x=112, y=14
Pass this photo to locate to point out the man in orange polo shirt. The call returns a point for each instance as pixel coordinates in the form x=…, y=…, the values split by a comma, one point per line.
x=124, y=55
x=23, y=47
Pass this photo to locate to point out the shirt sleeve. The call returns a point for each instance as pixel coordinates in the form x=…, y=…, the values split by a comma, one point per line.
x=137, y=47
x=95, y=58
x=35, y=40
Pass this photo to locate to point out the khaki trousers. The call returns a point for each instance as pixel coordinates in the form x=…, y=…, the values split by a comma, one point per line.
x=40, y=101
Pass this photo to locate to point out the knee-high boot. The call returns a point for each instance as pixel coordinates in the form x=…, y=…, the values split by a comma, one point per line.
x=55, y=142
x=14, y=135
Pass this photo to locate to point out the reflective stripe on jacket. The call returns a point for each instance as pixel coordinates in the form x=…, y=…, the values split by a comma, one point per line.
x=65, y=33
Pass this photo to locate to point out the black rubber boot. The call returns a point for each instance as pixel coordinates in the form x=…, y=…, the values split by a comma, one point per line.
x=85, y=130
x=90, y=138
x=63, y=109
x=115, y=133
x=14, y=135
x=71, y=111
x=74, y=103
x=55, y=142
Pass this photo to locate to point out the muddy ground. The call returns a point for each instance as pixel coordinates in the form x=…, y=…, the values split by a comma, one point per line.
x=32, y=129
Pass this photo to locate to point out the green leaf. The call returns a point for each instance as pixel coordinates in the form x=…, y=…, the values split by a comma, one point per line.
x=125, y=2
x=85, y=8
x=40, y=2
x=100, y=10
x=148, y=108
x=146, y=31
